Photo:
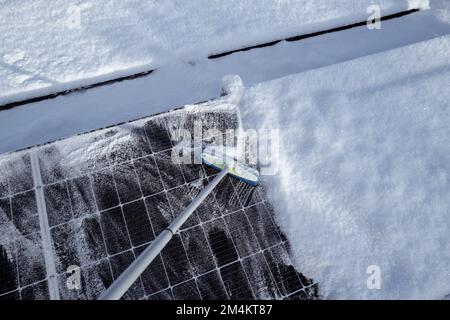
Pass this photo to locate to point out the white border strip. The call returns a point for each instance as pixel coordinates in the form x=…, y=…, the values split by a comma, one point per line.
x=45, y=228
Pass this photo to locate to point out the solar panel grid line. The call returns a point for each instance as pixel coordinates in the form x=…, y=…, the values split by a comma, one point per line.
x=143, y=198
x=5, y=276
x=201, y=260
x=226, y=265
x=238, y=287
x=214, y=260
x=18, y=287
x=81, y=175
x=124, y=163
x=250, y=256
x=178, y=206
x=137, y=289
x=239, y=254
x=241, y=231
x=257, y=276
x=144, y=203
x=224, y=215
x=304, y=290
x=271, y=273
x=93, y=262
x=221, y=282
x=121, y=207
x=47, y=244
x=110, y=165
x=176, y=262
x=98, y=212
x=271, y=214
x=219, y=277
x=187, y=290
x=131, y=201
x=160, y=291
x=289, y=278
x=15, y=286
x=155, y=272
x=220, y=241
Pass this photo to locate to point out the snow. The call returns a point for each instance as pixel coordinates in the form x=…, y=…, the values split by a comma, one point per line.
x=183, y=83
x=57, y=45
x=364, y=170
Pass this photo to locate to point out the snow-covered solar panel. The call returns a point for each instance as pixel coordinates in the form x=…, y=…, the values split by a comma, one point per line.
x=104, y=197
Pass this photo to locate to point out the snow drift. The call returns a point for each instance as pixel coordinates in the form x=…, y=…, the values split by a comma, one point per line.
x=50, y=46
x=365, y=170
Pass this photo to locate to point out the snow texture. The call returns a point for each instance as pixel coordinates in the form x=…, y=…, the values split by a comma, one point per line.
x=53, y=46
x=183, y=83
x=364, y=176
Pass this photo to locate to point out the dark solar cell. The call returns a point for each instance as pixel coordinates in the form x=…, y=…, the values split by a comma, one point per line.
x=30, y=259
x=37, y=291
x=198, y=250
x=242, y=234
x=154, y=278
x=5, y=209
x=209, y=209
x=63, y=237
x=57, y=203
x=89, y=238
x=158, y=135
x=105, y=190
x=19, y=171
x=127, y=182
x=159, y=212
x=81, y=196
x=139, y=145
x=138, y=223
x=284, y=273
x=259, y=275
x=236, y=283
x=52, y=168
x=115, y=231
x=226, y=196
x=186, y=291
x=192, y=172
x=8, y=268
x=25, y=213
x=171, y=173
x=180, y=198
x=211, y=286
x=4, y=180
x=176, y=261
x=220, y=241
x=119, y=264
x=263, y=226
x=148, y=175
x=312, y=292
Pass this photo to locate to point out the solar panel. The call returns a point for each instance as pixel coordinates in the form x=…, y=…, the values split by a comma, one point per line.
x=96, y=200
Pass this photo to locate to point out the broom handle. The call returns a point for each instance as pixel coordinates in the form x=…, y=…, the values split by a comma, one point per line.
x=133, y=272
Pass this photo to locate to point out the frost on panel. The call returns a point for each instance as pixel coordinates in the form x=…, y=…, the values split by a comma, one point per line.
x=109, y=193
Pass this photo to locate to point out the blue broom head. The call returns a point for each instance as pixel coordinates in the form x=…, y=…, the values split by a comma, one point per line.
x=219, y=157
